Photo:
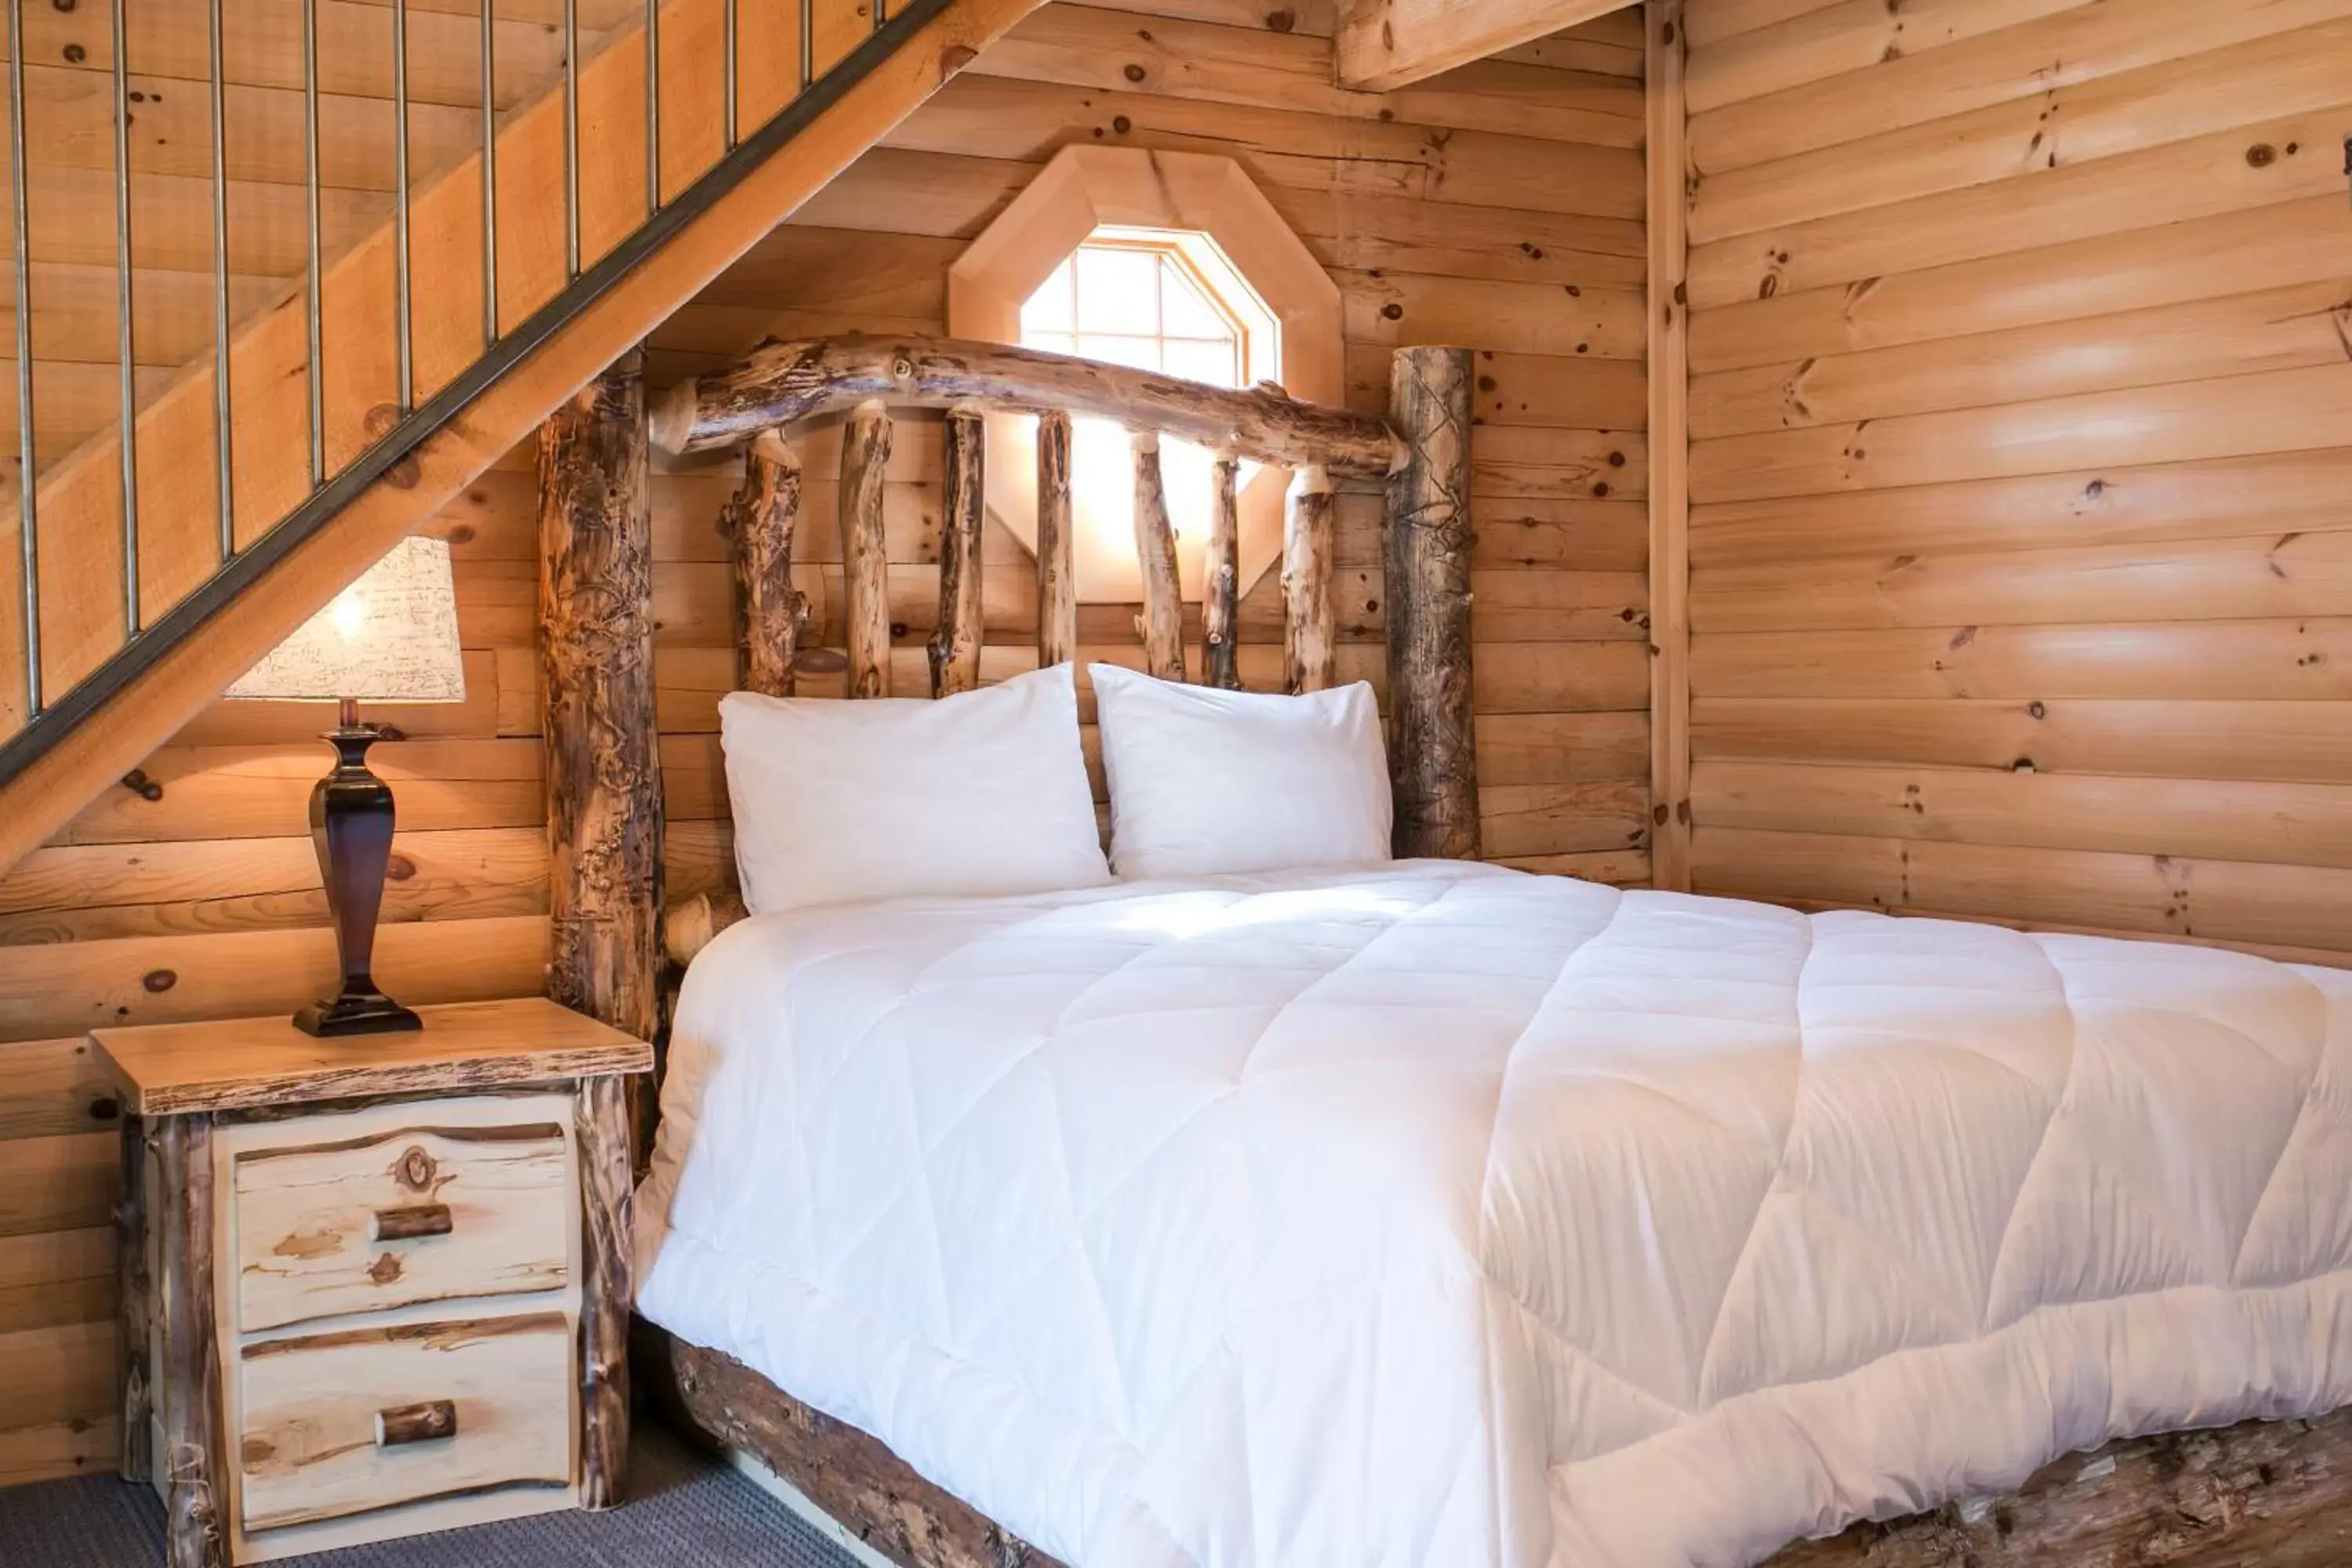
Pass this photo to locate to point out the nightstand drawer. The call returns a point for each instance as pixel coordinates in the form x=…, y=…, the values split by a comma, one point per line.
x=424, y=1211
x=369, y=1418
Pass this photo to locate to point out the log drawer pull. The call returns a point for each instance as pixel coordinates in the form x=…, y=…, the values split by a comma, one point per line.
x=410, y=1223
x=427, y=1422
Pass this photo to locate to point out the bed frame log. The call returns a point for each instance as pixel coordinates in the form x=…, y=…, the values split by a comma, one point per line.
x=782, y=383
x=1057, y=571
x=1162, y=624
x=1310, y=592
x=1433, y=744
x=1220, y=594
x=864, y=555
x=2257, y=1495
x=769, y=610
x=955, y=645
x=603, y=764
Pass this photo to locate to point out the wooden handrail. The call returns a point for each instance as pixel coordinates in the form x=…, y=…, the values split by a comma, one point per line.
x=780, y=382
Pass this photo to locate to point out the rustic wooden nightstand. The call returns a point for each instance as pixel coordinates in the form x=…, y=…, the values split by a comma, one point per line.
x=373, y=1287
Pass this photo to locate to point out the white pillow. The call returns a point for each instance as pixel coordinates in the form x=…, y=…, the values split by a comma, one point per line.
x=1204, y=782
x=981, y=793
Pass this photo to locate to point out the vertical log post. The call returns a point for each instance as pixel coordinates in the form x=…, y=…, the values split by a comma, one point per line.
x=136, y=1285
x=955, y=643
x=194, y=1435
x=1433, y=759
x=596, y=660
x=1163, y=621
x=1310, y=598
x=604, y=798
x=769, y=611
x=1057, y=572
x=866, y=560
x=601, y=1130
x=1668, y=101
x=1221, y=602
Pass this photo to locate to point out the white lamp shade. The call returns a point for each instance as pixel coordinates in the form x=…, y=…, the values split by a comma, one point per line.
x=391, y=636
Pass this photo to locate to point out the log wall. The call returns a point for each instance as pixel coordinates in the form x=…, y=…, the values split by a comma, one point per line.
x=2021, y=481
x=1501, y=206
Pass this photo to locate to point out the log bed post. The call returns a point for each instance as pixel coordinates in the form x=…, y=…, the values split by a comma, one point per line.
x=1057, y=574
x=1310, y=600
x=769, y=611
x=1432, y=760
x=865, y=556
x=955, y=644
x=1221, y=611
x=1163, y=621
x=604, y=820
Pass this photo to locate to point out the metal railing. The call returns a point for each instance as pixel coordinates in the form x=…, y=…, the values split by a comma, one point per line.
x=49, y=714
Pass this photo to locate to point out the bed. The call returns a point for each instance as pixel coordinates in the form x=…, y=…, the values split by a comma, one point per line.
x=1431, y=1211
x=1426, y=1212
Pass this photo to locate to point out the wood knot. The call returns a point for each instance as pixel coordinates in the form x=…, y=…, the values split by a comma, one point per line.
x=2260, y=155
x=1134, y=73
x=955, y=57
x=1392, y=311
x=384, y=1270
x=416, y=1170
x=137, y=782
x=1280, y=21
x=105, y=1107
x=158, y=981
x=399, y=869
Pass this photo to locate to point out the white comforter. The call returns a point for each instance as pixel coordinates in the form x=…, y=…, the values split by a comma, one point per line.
x=1439, y=1215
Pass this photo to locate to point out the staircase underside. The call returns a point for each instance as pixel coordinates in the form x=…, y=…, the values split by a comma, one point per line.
x=205, y=630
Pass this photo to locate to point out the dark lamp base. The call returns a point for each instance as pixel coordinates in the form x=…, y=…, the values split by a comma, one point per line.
x=357, y=1013
x=351, y=824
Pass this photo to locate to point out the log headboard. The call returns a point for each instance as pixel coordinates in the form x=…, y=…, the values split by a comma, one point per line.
x=1422, y=453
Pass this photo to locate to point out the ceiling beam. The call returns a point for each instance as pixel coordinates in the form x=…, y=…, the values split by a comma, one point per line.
x=1387, y=44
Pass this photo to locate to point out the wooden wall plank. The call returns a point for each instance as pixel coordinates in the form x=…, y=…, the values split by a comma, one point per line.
x=2021, y=584
x=2286, y=741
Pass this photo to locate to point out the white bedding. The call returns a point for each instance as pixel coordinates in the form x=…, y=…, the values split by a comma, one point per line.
x=1434, y=1213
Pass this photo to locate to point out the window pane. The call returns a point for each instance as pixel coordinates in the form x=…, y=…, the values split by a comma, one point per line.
x=1118, y=290
x=1217, y=364
x=1143, y=353
x=1052, y=342
x=1185, y=311
x=1050, y=309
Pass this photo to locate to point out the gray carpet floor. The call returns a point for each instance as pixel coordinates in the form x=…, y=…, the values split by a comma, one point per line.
x=684, y=1510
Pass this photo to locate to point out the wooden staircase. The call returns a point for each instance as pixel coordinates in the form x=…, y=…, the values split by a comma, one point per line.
x=586, y=261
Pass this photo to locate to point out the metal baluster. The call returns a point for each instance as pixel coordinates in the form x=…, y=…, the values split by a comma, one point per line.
x=222, y=435
x=881, y=14
x=808, y=43
x=402, y=261
x=489, y=178
x=727, y=73
x=571, y=137
x=653, y=107
x=315, y=304
x=28, y=529
x=125, y=337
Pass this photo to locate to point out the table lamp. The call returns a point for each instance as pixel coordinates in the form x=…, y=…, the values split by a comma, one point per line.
x=391, y=636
